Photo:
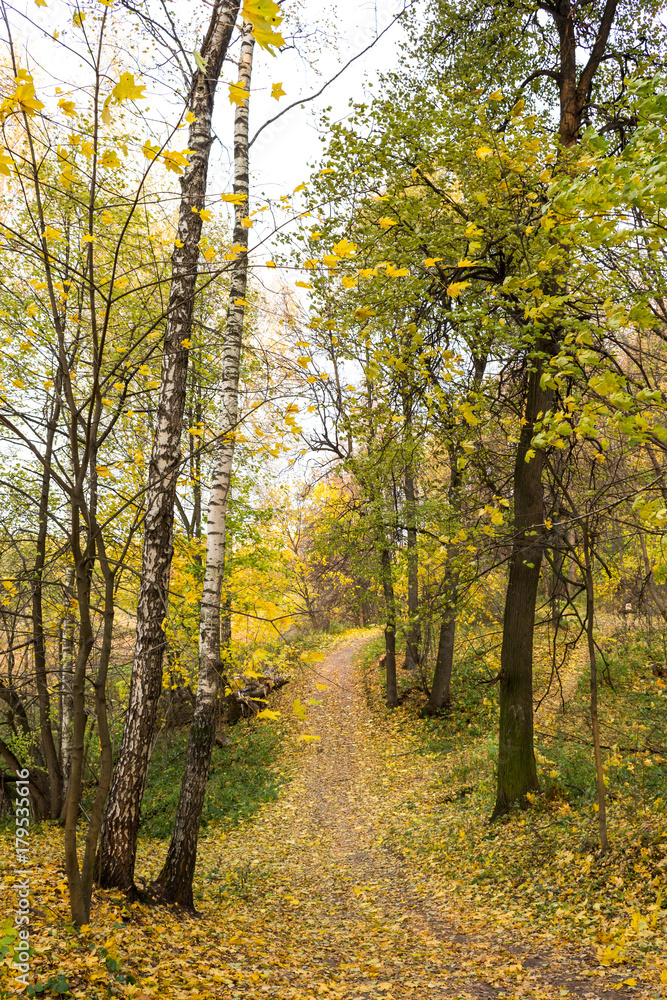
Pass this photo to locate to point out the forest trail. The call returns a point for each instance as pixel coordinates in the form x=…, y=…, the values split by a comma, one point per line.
x=335, y=908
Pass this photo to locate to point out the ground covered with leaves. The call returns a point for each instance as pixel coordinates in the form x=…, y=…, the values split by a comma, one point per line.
x=370, y=871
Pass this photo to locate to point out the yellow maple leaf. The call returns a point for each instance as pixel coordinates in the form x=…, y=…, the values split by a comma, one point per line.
x=246, y=223
x=344, y=248
x=175, y=160
x=67, y=107
x=205, y=214
x=267, y=713
x=299, y=709
x=127, y=89
x=349, y=281
x=396, y=272
x=237, y=93
x=430, y=261
x=5, y=163
x=51, y=233
x=109, y=158
x=483, y=152
x=233, y=199
x=277, y=91
x=456, y=287
x=265, y=16
x=330, y=260
x=150, y=150
x=271, y=263
x=307, y=738
x=303, y=284
x=386, y=222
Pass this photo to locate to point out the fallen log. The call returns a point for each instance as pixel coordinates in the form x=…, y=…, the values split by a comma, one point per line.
x=246, y=696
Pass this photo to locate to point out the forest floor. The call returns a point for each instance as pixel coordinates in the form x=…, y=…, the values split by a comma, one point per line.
x=320, y=894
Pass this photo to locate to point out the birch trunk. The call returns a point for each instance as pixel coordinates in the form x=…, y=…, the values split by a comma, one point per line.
x=174, y=884
x=121, y=821
x=66, y=673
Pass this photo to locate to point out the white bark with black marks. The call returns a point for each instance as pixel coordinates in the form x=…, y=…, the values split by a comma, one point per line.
x=121, y=821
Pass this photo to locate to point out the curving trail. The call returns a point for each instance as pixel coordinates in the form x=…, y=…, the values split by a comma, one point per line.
x=338, y=912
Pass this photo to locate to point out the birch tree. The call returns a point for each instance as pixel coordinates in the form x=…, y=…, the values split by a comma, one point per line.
x=174, y=884
x=121, y=822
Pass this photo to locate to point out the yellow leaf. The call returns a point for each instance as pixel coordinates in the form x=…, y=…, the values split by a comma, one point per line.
x=50, y=233
x=298, y=709
x=234, y=199
x=150, y=150
x=497, y=95
x=386, y=222
x=5, y=163
x=265, y=16
x=330, y=260
x=307, y=738
x=303, y=284
x=205, y=214
x=456, y=287
x=396, y=272
x=241, y=302
x=109, y=158
x=266, y=713
x=175, y=160
x=277, y=91
x=238, y=93
x=344, y=248
x=246, y=223
x=127, y=89
x=311, y=264
x=299, y=187
x=483, y=152
x=67, y=107
x=322, y=687
x=304, y=362
x=190, y=117
x=40, y=3
x=430, y=261
x=348, y=281
x=271, y=263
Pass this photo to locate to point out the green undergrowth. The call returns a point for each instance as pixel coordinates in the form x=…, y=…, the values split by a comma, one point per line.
x=542, y=866
x=244, y=774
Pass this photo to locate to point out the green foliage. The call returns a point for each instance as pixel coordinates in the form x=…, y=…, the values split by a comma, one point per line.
x=243, y=776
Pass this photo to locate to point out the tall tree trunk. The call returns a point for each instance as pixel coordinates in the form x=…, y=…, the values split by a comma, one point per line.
x=413, y=636
x=390, y=625
x=38, y=638
x=440, y=696
x=66, y=672
x=174, y=884
x=121, y=821
x=592, y=656
x=517, y=773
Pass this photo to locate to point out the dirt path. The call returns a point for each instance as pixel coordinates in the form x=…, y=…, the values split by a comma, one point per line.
x=343, y=915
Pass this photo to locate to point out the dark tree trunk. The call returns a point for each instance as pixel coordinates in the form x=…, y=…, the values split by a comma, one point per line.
x=440, y=696
x=390, y=627
x=517, y=773
x=413, y=635
x=39, y=641
x=121, y=821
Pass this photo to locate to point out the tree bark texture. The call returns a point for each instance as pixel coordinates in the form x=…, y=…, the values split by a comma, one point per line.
x=174, y=884
x=390, y=626
x=592, y=656
x=39, y=642
x=517, y=773
x=121, y=821
x=413, y=636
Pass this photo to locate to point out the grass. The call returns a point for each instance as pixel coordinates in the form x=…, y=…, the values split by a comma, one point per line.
x=244, y=774
x=543, y=866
